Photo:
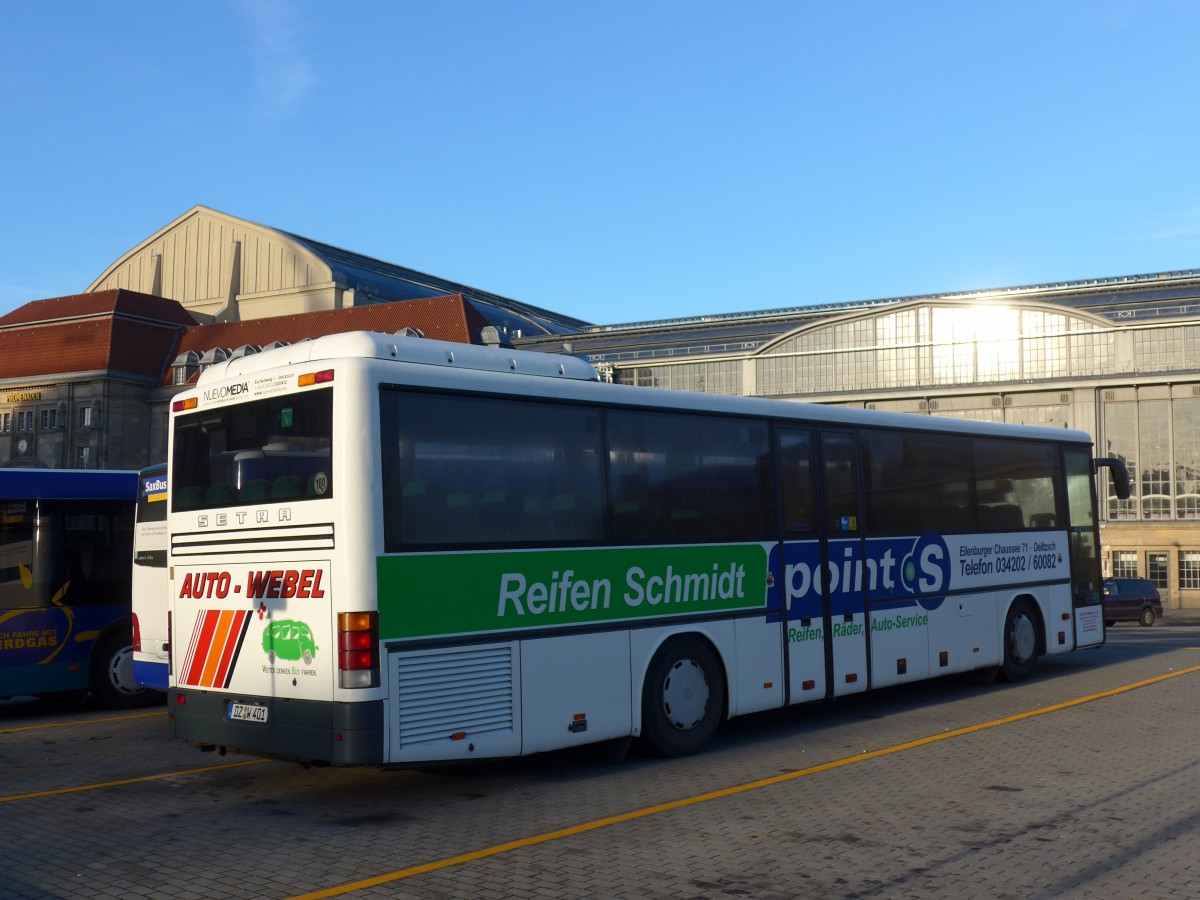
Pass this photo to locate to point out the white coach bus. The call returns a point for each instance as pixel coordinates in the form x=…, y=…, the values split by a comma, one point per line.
x=149, y=585
x=389, y=551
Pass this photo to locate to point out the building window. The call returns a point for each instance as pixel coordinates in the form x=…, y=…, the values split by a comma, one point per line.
x=25, y=420
x=1154, y=458
x=5, y=422
x=1120, y=429
x=49, y=419
x=85, y=416
x=1157, y=571
x=83, y=456
x=1185, y=421
x=1189, y=570
x=1125, y=564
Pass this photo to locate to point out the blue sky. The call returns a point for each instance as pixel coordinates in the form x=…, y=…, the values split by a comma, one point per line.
x=615, y=161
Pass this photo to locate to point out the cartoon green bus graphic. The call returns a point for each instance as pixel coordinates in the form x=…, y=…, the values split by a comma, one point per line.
x=290, y=640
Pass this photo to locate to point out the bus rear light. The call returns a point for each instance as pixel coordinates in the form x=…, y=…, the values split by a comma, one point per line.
x=137, y=634
x=355, y=659
x=360, y=621
x=363, y=678
x=323, y=377
x=354, y=640
x=358, y=649
x=181, y=700
x=184, y=405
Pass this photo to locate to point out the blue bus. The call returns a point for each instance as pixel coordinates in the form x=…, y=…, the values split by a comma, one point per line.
x=66, y=554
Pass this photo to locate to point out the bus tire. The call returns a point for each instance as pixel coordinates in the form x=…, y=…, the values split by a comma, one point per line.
x=1022, y=638
x=112, y=673
x=683, y=698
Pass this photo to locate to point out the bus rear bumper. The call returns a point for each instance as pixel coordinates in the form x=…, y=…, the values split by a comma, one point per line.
x=307, y=731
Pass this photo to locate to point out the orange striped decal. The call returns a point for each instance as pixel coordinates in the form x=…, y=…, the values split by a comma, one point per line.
x=216, y=642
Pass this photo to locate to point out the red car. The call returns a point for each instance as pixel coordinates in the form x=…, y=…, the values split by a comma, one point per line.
x=1131, y=600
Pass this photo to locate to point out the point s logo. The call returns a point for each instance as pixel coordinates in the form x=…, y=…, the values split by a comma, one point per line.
x=925, y=572
x=226, y=391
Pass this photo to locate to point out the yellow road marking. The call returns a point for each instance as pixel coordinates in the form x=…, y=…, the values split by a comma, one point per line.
x=597, y=824
x=141, y=778
x=80, y=722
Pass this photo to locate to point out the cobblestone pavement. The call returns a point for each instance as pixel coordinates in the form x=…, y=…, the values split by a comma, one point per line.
x=895, y=794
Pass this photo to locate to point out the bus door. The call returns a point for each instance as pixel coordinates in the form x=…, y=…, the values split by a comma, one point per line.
x=825, y=626
x=846, y=625
x=804, y=607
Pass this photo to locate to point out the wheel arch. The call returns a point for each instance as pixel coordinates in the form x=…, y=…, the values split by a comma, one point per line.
x=123, y=624
x=642, y=657
x=1043, y=627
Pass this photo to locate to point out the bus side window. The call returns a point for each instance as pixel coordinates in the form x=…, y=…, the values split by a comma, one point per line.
x=795, y=462
x=1015, y=484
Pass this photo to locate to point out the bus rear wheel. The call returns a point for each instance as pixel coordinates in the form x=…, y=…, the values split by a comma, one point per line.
x=683, y=698
x=1021, y=640
x=113, y=685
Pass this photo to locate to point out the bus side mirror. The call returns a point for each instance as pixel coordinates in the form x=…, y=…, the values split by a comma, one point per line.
x=1118, y=473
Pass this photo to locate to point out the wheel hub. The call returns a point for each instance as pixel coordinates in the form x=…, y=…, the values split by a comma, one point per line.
x=1023, y=639
x=685, y=695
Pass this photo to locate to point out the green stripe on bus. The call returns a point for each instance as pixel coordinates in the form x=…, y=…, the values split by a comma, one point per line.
x=427, y=595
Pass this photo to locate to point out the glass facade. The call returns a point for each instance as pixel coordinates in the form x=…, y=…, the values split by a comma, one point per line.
x=936, y=345
x=1159, y=440
x=719, y=377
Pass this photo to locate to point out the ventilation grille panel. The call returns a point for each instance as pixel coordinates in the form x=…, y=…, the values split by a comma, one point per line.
x=467, y=690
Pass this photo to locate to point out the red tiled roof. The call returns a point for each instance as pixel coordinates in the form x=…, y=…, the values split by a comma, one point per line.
x=117, y=330
x=114, y=302
x=124, y=331
x=448, y=318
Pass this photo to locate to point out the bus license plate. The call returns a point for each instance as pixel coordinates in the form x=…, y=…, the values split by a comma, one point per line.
x=247, y=712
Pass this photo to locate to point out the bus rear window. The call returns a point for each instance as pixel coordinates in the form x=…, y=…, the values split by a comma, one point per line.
x=265, y=451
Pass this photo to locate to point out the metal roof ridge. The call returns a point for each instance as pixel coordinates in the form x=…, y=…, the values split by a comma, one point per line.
x=983, y=293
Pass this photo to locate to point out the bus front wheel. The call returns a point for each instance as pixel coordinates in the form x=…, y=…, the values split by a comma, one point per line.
x=113, y=685
x=684, y=696
x=1021, y=639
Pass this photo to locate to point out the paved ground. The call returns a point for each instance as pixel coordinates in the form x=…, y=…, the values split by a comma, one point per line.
x=950, y=789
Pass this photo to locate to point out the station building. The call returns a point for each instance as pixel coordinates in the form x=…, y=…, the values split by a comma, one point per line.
x=86, y=380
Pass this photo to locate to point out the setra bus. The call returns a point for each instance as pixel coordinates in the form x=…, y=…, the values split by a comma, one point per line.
x=391, y=551
x=150, y=646
x=66, y=548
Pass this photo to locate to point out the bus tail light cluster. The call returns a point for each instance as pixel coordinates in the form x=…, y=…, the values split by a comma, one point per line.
x=323, y=377
x=137, y=634
x=358, y=649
